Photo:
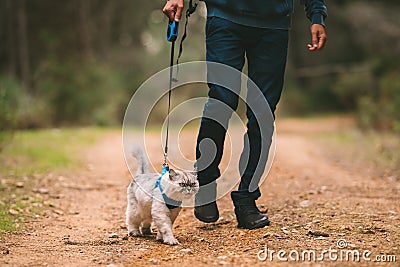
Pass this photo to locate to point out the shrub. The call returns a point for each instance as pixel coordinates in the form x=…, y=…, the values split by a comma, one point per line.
x=9, y=92
x=380, y=109
x=80, y=94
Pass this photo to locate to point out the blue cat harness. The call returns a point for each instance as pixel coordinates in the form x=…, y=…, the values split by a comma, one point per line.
x=170, y=203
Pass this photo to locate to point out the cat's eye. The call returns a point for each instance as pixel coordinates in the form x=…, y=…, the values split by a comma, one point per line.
x=187, y=184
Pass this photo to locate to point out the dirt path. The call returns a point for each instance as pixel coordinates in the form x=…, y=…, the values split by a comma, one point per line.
x=312, y=202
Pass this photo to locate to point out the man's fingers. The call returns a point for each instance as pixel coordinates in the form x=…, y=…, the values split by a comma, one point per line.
x=178, y=13
x=173, y=9
x=322, y=41
x=318, y=37
x=169, y=12
x=314, y=37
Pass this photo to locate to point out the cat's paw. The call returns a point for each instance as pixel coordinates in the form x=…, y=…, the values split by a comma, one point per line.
x=146, y=231
x=159, y=237
x=134, y=233
x=170, y=241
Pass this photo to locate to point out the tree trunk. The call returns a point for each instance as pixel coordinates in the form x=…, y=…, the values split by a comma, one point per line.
x=105, y=22
x=83, y=29
x=10, y=40
x=23, y=47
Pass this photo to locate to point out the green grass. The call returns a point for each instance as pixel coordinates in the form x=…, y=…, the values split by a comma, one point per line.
x=7, y=223
x=32, y=154
x=37, y=152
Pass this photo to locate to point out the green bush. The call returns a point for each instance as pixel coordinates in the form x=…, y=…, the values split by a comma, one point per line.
x=9, y=92
x=351, y=86
x=380, y=109
x=84, y=94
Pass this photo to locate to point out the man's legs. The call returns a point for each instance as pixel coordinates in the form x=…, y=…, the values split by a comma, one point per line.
x=266, y=55
x=223, y=45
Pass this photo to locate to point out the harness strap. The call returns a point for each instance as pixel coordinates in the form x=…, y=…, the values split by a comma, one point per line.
x=169, y=202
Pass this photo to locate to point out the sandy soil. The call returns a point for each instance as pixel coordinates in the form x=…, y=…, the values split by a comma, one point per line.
x=311, y=198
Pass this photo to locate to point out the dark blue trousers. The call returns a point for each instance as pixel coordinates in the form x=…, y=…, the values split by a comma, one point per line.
x=266, y=51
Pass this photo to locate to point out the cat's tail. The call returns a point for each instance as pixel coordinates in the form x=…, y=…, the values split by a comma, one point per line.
x=143, y=163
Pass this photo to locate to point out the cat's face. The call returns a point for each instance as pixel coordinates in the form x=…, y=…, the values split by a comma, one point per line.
x=185, y=182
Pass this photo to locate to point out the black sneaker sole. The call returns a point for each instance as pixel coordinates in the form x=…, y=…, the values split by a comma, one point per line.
x=206, y=220
x=261, y=224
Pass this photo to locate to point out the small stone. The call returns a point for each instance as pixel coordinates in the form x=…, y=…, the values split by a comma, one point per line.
x=142, y=249
x=41, y=190
x=285, y=230
x=113, y=235
x=305, y=203
x=6, y=251
x=323, y=188
x=59, y=212
x=19, y=184
x=317, y=233
x=186, y=250
x=13, y=212
x=154, y=261
x=268, y=234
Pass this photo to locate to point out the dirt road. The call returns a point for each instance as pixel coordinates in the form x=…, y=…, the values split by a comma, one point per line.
x=311, y=198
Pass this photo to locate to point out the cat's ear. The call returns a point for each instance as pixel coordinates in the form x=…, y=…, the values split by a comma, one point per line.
x=172, y=174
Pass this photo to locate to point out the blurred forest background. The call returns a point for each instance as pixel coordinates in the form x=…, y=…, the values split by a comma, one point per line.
x=78, y=62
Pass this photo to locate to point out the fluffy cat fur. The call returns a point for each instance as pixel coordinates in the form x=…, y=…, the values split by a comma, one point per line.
x=146, y=204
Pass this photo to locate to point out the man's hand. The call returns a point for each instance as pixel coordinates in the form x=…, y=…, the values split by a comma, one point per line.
x=173, y=9
x=318, y=36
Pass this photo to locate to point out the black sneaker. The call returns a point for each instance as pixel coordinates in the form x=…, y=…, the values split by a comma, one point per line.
x=248, y=215
x=207, y=213
x=206, y=209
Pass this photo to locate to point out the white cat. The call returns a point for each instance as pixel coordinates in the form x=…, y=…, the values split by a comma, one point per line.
x=153, y=197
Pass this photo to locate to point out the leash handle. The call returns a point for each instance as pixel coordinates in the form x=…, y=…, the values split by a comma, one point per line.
x=172, y=31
